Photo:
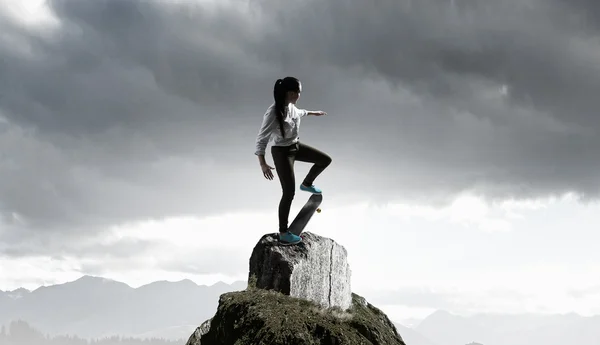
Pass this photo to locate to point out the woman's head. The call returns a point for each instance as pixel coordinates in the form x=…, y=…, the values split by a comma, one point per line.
x=285, y=91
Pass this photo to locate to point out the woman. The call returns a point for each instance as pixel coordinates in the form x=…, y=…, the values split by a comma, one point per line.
x=281, y=124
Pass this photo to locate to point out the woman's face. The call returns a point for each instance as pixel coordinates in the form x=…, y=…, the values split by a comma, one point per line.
x=295, y=95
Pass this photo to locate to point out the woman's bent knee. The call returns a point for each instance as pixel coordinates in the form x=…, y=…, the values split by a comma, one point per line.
x=288, y=194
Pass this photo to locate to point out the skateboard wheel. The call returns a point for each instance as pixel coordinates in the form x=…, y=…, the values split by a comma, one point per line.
x=318, y=210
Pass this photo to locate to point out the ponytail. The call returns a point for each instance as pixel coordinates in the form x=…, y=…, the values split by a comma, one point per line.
x=279, y=96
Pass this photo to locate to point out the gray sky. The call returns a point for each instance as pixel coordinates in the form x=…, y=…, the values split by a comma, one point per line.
x=115, y=113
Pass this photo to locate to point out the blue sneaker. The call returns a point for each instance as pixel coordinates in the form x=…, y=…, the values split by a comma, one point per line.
x=311, y=189
x=289, y=238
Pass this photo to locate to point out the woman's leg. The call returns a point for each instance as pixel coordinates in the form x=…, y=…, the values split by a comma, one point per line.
x=283, y=157
x=321, y=160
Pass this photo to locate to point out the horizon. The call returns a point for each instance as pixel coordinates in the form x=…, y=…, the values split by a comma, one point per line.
x=33, y=288
x=463, y=137
x=245, y=282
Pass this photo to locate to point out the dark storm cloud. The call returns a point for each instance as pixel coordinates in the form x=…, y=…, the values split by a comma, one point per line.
x=131, y=64
x=535, y=138
x=137, y=109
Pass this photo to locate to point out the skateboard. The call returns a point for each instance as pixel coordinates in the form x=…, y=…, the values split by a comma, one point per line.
x=306, y=213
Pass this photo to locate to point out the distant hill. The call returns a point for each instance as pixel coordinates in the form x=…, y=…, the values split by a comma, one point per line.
x=413, y=337
x=21, y=333
x=445, y=328
x=94, y=307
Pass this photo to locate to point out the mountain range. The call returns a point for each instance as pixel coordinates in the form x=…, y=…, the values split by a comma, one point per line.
x=444, y=328
x=94, y=307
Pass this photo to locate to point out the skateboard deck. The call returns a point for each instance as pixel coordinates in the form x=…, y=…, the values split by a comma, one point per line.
x=306, y=213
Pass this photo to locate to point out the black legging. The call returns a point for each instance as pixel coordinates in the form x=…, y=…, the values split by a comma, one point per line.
x=284, y=158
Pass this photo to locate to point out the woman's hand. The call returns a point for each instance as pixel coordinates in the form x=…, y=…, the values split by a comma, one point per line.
x=318, y=113
x=266, y=169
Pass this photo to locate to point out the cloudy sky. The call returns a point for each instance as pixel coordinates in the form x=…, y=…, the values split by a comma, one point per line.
x=464, y=138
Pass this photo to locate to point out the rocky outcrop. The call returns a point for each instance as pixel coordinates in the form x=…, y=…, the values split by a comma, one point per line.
x=316, y=269
x=199, y=332
x=261, y=317
x=298, y=294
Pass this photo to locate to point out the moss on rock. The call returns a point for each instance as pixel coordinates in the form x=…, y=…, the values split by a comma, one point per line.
x=261, y=317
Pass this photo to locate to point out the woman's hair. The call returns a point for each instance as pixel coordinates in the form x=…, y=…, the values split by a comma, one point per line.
x=282, y=86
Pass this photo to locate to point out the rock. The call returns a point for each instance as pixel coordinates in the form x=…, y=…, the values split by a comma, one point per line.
x=315, y=269
x=199, y=332
x=261, y=317
x=297, y=294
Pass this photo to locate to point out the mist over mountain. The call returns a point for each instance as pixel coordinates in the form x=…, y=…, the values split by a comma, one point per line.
x=21, y=333
x=444, y=328
x=94, y=307
x=412, y=337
